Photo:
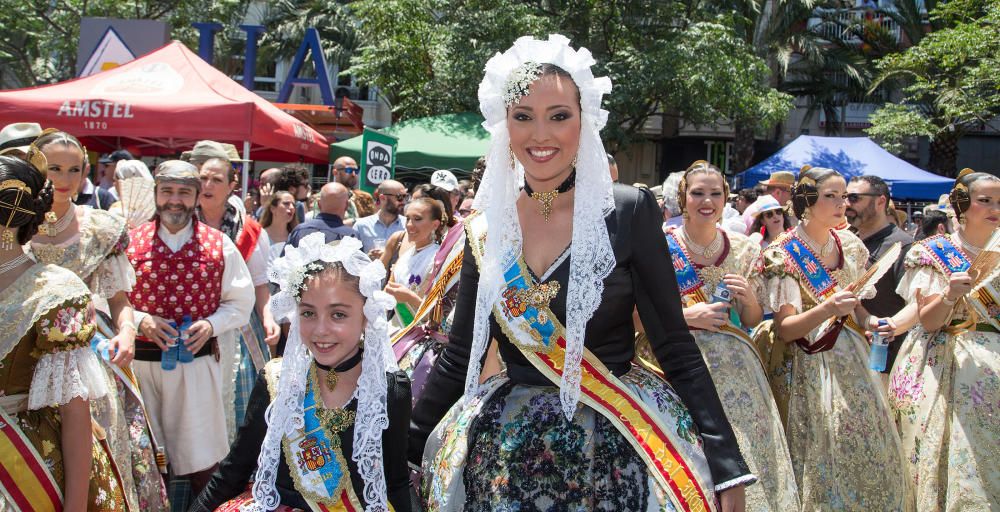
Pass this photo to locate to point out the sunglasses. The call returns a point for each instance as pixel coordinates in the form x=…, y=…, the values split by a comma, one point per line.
x=771, y=213
x=398, y=197
x=351, y=170
x=853, y=197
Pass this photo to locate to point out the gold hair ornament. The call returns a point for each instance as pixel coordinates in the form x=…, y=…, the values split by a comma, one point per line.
x=8, y=237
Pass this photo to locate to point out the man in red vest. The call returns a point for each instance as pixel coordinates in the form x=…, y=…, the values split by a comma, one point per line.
x=218, y=181
x=186, y=270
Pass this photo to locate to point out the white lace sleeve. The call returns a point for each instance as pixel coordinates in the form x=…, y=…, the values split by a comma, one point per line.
x=114, y=274
x=62, y=376
x=781, y=291
x=924, y=278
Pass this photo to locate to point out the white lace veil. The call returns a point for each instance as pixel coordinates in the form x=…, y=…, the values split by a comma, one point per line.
x=591, y=256
x=284, y=415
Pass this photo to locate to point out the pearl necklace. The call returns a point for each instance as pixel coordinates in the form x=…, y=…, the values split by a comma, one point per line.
x=972, y=250
x=54, y=226
x=825, y=250
x=706, y=251
x=14, y=263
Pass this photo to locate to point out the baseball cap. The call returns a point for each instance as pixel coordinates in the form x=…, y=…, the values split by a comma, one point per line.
x=119, y=155
x=444, y=179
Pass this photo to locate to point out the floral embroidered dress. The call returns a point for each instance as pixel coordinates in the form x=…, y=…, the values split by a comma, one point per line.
x=742, y=384
x=47, y=362
x=96, y=254
x=945, y=394
x=845, y=451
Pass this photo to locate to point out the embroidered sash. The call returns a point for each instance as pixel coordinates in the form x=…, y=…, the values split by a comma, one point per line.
x=447, y=276
x=536, y=331
x=25, y=480
x=950, y=259
x=820, y=285
x=693, y=289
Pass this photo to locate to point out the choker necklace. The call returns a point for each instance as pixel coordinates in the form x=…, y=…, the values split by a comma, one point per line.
x=546, y=198
x=704, y=251
x=331, y=373
x=824, y=251
x=53, y=225
x=14, y=263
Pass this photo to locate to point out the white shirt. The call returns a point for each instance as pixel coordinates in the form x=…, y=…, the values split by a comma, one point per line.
x=237, y=287
x=260, y=259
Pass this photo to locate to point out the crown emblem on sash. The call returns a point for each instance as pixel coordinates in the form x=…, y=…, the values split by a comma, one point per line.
x=313, y=454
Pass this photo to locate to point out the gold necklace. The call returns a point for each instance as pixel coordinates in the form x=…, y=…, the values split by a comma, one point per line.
x=335, y=419
x=825, y=250
x=55, y=225
x=545, y=199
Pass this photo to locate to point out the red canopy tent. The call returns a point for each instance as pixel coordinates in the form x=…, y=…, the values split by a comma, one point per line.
x=162, y=103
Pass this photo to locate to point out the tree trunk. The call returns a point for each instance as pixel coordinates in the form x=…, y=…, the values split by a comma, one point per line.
x=743, y=140
x=944, y=153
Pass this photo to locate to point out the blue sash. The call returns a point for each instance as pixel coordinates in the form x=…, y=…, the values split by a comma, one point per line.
x=316, y=462
x=948, y=257
x=687, y=277
x=810, y=268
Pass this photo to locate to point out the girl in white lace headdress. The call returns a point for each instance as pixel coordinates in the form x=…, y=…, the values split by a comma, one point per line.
x=326, y=424
x=556, y=259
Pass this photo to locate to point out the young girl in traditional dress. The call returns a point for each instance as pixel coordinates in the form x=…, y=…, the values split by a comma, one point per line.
x=49, y=457
x=844, y=448
x=706, y=257
x=945, y=386
x=326, y=425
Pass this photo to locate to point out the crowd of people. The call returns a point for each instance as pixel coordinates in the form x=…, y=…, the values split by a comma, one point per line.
x=538, y=337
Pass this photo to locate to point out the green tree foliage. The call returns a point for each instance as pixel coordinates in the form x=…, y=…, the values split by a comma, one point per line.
x=39, y=39
x=427, y=56
x=949, y=82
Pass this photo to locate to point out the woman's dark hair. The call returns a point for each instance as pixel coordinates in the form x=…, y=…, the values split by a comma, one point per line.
x=364, y=202
x=437, y=209
x=932, y=220
x=440, y=194
x=748, y=194
x=266, y=218
x=805, y=192
x=58, y=137
x=758, y=223
x=20, y=209
x=477, y=173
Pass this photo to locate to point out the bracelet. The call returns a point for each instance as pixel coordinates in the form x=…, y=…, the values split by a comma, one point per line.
x=946, y=302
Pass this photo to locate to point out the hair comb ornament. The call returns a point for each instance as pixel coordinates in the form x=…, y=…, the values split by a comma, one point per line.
x=519, y=82
x=8, y=237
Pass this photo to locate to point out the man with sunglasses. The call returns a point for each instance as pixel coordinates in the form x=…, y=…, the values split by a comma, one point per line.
x=374, y=230
x=345, y=172
x=868, y=212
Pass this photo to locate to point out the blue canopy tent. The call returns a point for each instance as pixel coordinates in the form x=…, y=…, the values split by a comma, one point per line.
x=851, y=156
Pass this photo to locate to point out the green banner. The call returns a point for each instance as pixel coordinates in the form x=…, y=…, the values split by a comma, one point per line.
x=378, y=159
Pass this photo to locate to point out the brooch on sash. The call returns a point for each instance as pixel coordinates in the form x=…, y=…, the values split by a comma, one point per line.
x=538, y=296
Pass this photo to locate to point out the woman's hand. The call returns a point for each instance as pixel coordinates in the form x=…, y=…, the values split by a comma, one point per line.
x=266, y=191
x=959, y=285
x=123, y=346
x=841, y=303
x=740, y=288
x=733, y=499
x=402, y=293
x=886, y=330
x=709, y=317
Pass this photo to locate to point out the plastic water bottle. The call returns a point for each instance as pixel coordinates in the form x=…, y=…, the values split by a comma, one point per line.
x=168, y=360
x=183, y=354
x=880, y=350
x=101, y=346
x=722, y=294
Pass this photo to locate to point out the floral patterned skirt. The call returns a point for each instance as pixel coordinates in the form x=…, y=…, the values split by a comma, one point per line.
x=945, y=395
x=746, y=397
x=511, y=448
x=43, y=428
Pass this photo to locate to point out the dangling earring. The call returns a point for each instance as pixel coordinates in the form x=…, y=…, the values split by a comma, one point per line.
x=7, y=239
x=805, y=214
x=575, y=158
x=685, y=215
x=513, y=161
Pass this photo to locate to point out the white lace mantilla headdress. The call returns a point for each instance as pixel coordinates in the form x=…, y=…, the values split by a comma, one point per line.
x=284, y=415
x=591, y=256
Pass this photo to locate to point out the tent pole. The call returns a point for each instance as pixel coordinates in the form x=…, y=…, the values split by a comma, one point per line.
x=246, y=168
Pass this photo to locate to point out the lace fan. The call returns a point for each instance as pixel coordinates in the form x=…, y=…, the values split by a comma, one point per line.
x=138, y=200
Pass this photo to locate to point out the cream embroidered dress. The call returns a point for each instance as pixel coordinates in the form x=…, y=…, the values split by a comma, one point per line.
x=945, y=394
x=845, y=451
x=96, y=254
x=743, y=388
x=46, y=362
